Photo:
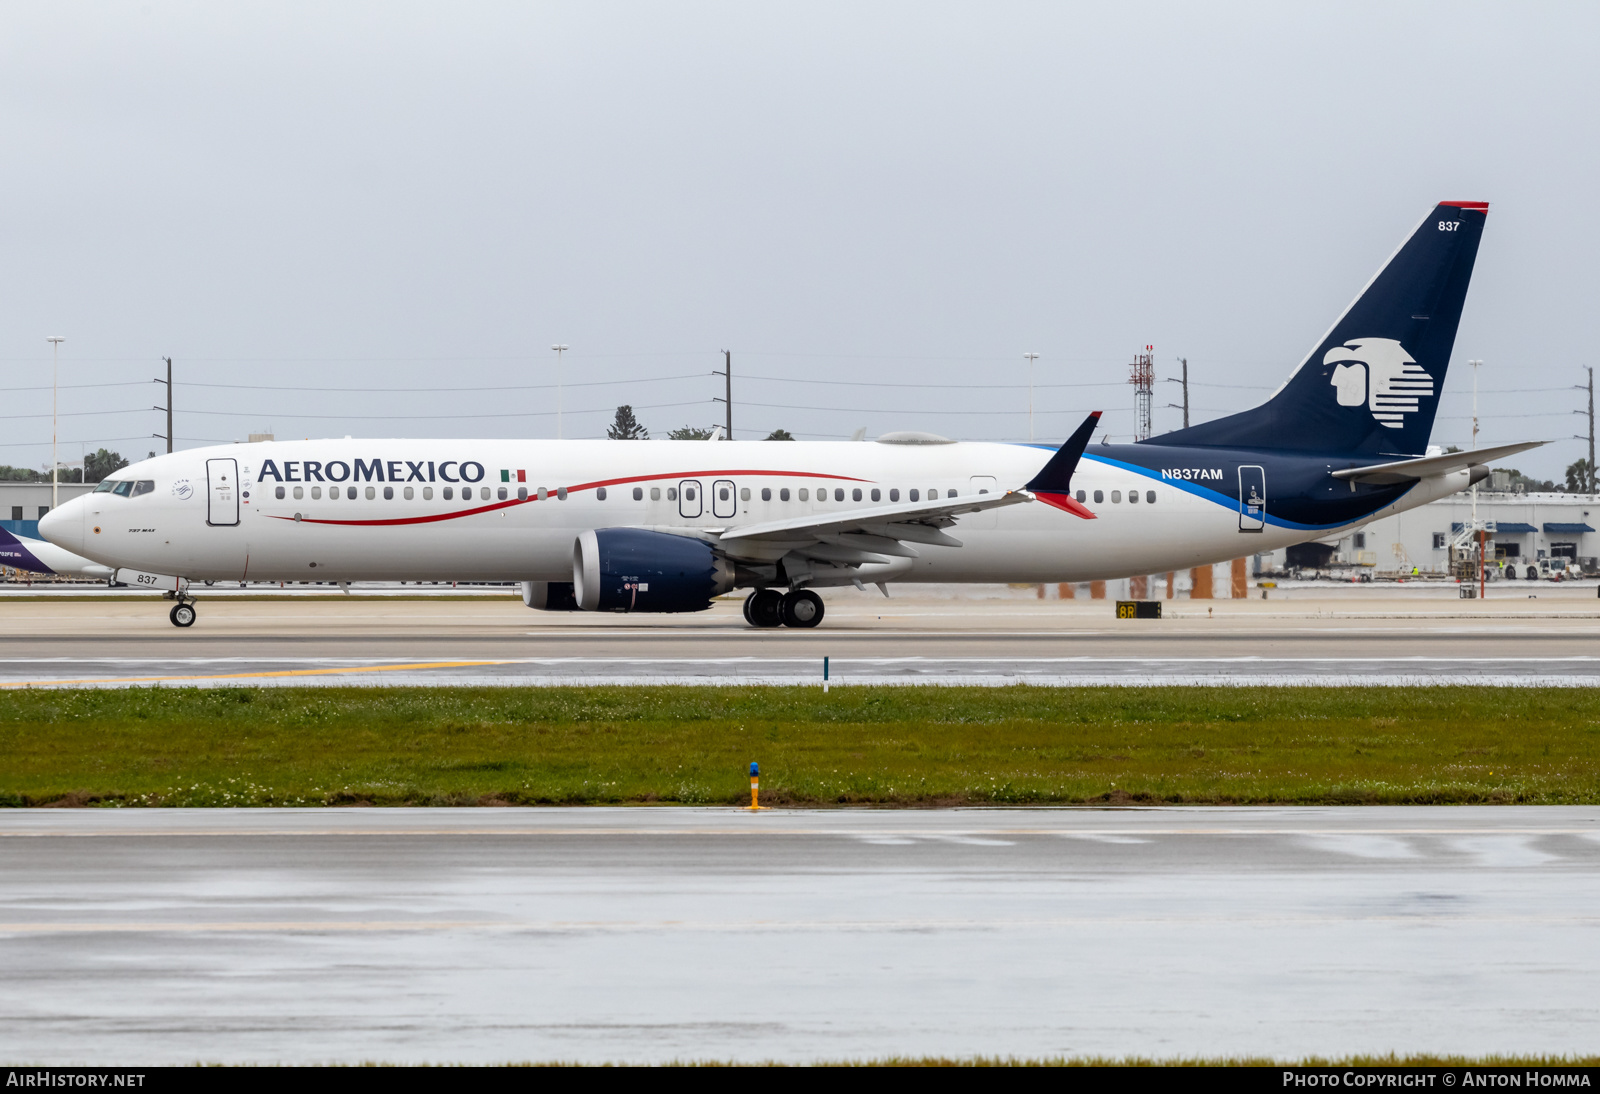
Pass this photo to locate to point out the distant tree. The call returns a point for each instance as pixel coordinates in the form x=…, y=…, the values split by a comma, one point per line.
x=780, y=435
x=691, y=433
x=1580, y=477
x=627, y=427
x=101, y=464
x=1529, y=486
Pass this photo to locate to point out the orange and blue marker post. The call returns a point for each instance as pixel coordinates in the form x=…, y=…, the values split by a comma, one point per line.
x=755, y=785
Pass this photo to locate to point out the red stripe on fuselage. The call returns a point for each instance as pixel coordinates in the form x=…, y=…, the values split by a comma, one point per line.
x=434, y=518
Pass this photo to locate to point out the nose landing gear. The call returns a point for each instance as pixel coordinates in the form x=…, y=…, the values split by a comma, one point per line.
x=182, y=613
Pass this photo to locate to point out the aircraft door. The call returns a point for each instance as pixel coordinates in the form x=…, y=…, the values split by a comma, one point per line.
x=222, y=492
x=1252, y=498
x=724, y=499
x=690, y=503
x=988, y=518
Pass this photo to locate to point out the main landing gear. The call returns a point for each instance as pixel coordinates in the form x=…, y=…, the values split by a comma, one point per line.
x=796, y=608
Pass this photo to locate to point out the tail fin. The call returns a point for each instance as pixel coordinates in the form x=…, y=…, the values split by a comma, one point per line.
x=1371, y=386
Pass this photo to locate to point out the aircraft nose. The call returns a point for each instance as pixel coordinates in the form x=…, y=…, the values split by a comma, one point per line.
x=63, y=526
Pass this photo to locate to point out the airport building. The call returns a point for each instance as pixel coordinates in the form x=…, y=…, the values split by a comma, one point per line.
x=1520, y=531
x=23, y=503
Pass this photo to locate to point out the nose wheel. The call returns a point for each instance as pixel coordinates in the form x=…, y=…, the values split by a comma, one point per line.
x=182, y=614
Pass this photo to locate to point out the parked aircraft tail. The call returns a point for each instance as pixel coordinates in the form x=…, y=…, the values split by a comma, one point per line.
x=1371, y=386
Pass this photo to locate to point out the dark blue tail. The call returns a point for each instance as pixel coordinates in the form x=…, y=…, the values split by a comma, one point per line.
x=1372, y=386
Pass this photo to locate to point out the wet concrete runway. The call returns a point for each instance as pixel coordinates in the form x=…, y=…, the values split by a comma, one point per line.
x=655, y=934
x=1387, y=640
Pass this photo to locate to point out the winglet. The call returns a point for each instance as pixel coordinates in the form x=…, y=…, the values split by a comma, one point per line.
x=1053, y=484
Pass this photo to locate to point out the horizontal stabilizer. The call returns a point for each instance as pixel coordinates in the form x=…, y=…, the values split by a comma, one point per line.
x=1428, y=466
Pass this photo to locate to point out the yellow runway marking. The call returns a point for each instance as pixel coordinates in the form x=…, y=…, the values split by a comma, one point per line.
x=251, y=675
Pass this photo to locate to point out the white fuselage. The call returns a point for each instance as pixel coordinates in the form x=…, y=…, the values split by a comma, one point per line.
x=281, y=511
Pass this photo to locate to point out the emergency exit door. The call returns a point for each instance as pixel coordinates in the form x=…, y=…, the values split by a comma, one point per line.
x=222, y=492
x=1252, y=498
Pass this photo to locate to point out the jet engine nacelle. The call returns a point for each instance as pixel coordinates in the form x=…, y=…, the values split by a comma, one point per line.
x=635, y=570
x=549, y=596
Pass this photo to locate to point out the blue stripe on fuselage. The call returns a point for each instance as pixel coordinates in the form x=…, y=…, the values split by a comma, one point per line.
x=1230, y=502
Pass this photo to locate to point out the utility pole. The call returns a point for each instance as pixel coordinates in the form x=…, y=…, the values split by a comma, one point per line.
x=559, y=351
x=1142, y=375
x=1476, y=526
x=55, y=391
x=1032, y=357
x=1589, y=475
x=1184, y=361
x=727, y=375
x=168, y=407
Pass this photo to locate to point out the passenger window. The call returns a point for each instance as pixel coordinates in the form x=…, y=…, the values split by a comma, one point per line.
x=410, y=494
x=427, y=493
x=766, y=493
x=1116, y=496
x=838, y=494
x=1082, y=497
x=655, y=494
x=913, y=494
x=638, y=493
x=316, y=493
x=894, y=493
x=1133, y=497
x=1150, y=496
x=278, y=493
x=502, y=493
x=299, y=493
x=372, y=492
x=600, y=494
x=449, y=493
x=1099, y=496
x=783, y=494
x=522, y=493
x=805, y=495
x=672, y=493
x=143, y=486
x=855, y=495
x=388, y=493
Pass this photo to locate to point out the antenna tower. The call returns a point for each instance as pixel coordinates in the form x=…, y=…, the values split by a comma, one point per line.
x=1142, y=375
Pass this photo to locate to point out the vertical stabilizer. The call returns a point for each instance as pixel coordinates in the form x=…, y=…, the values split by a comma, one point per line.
x=1371, y=386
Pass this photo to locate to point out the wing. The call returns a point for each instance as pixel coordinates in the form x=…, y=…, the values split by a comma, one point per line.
x=879, y=544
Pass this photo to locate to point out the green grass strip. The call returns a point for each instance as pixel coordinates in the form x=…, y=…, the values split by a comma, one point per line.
x=854, y=746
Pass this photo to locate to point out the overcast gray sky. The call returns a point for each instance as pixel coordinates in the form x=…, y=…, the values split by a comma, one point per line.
x=377, y=218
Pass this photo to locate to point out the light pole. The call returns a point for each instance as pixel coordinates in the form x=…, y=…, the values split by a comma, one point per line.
x=55, y=369
x=560, y=349
x=1032, y=357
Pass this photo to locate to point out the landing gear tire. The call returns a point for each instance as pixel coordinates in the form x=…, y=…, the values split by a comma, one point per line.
x=801, y=608
x=764, y=608
x=182, y=615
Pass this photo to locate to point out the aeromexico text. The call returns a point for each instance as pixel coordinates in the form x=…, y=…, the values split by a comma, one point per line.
x=371, y=471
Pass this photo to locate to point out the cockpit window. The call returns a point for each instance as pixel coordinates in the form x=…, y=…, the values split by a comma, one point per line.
x=105, y=486
x=144, y=486
x=123, y=489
